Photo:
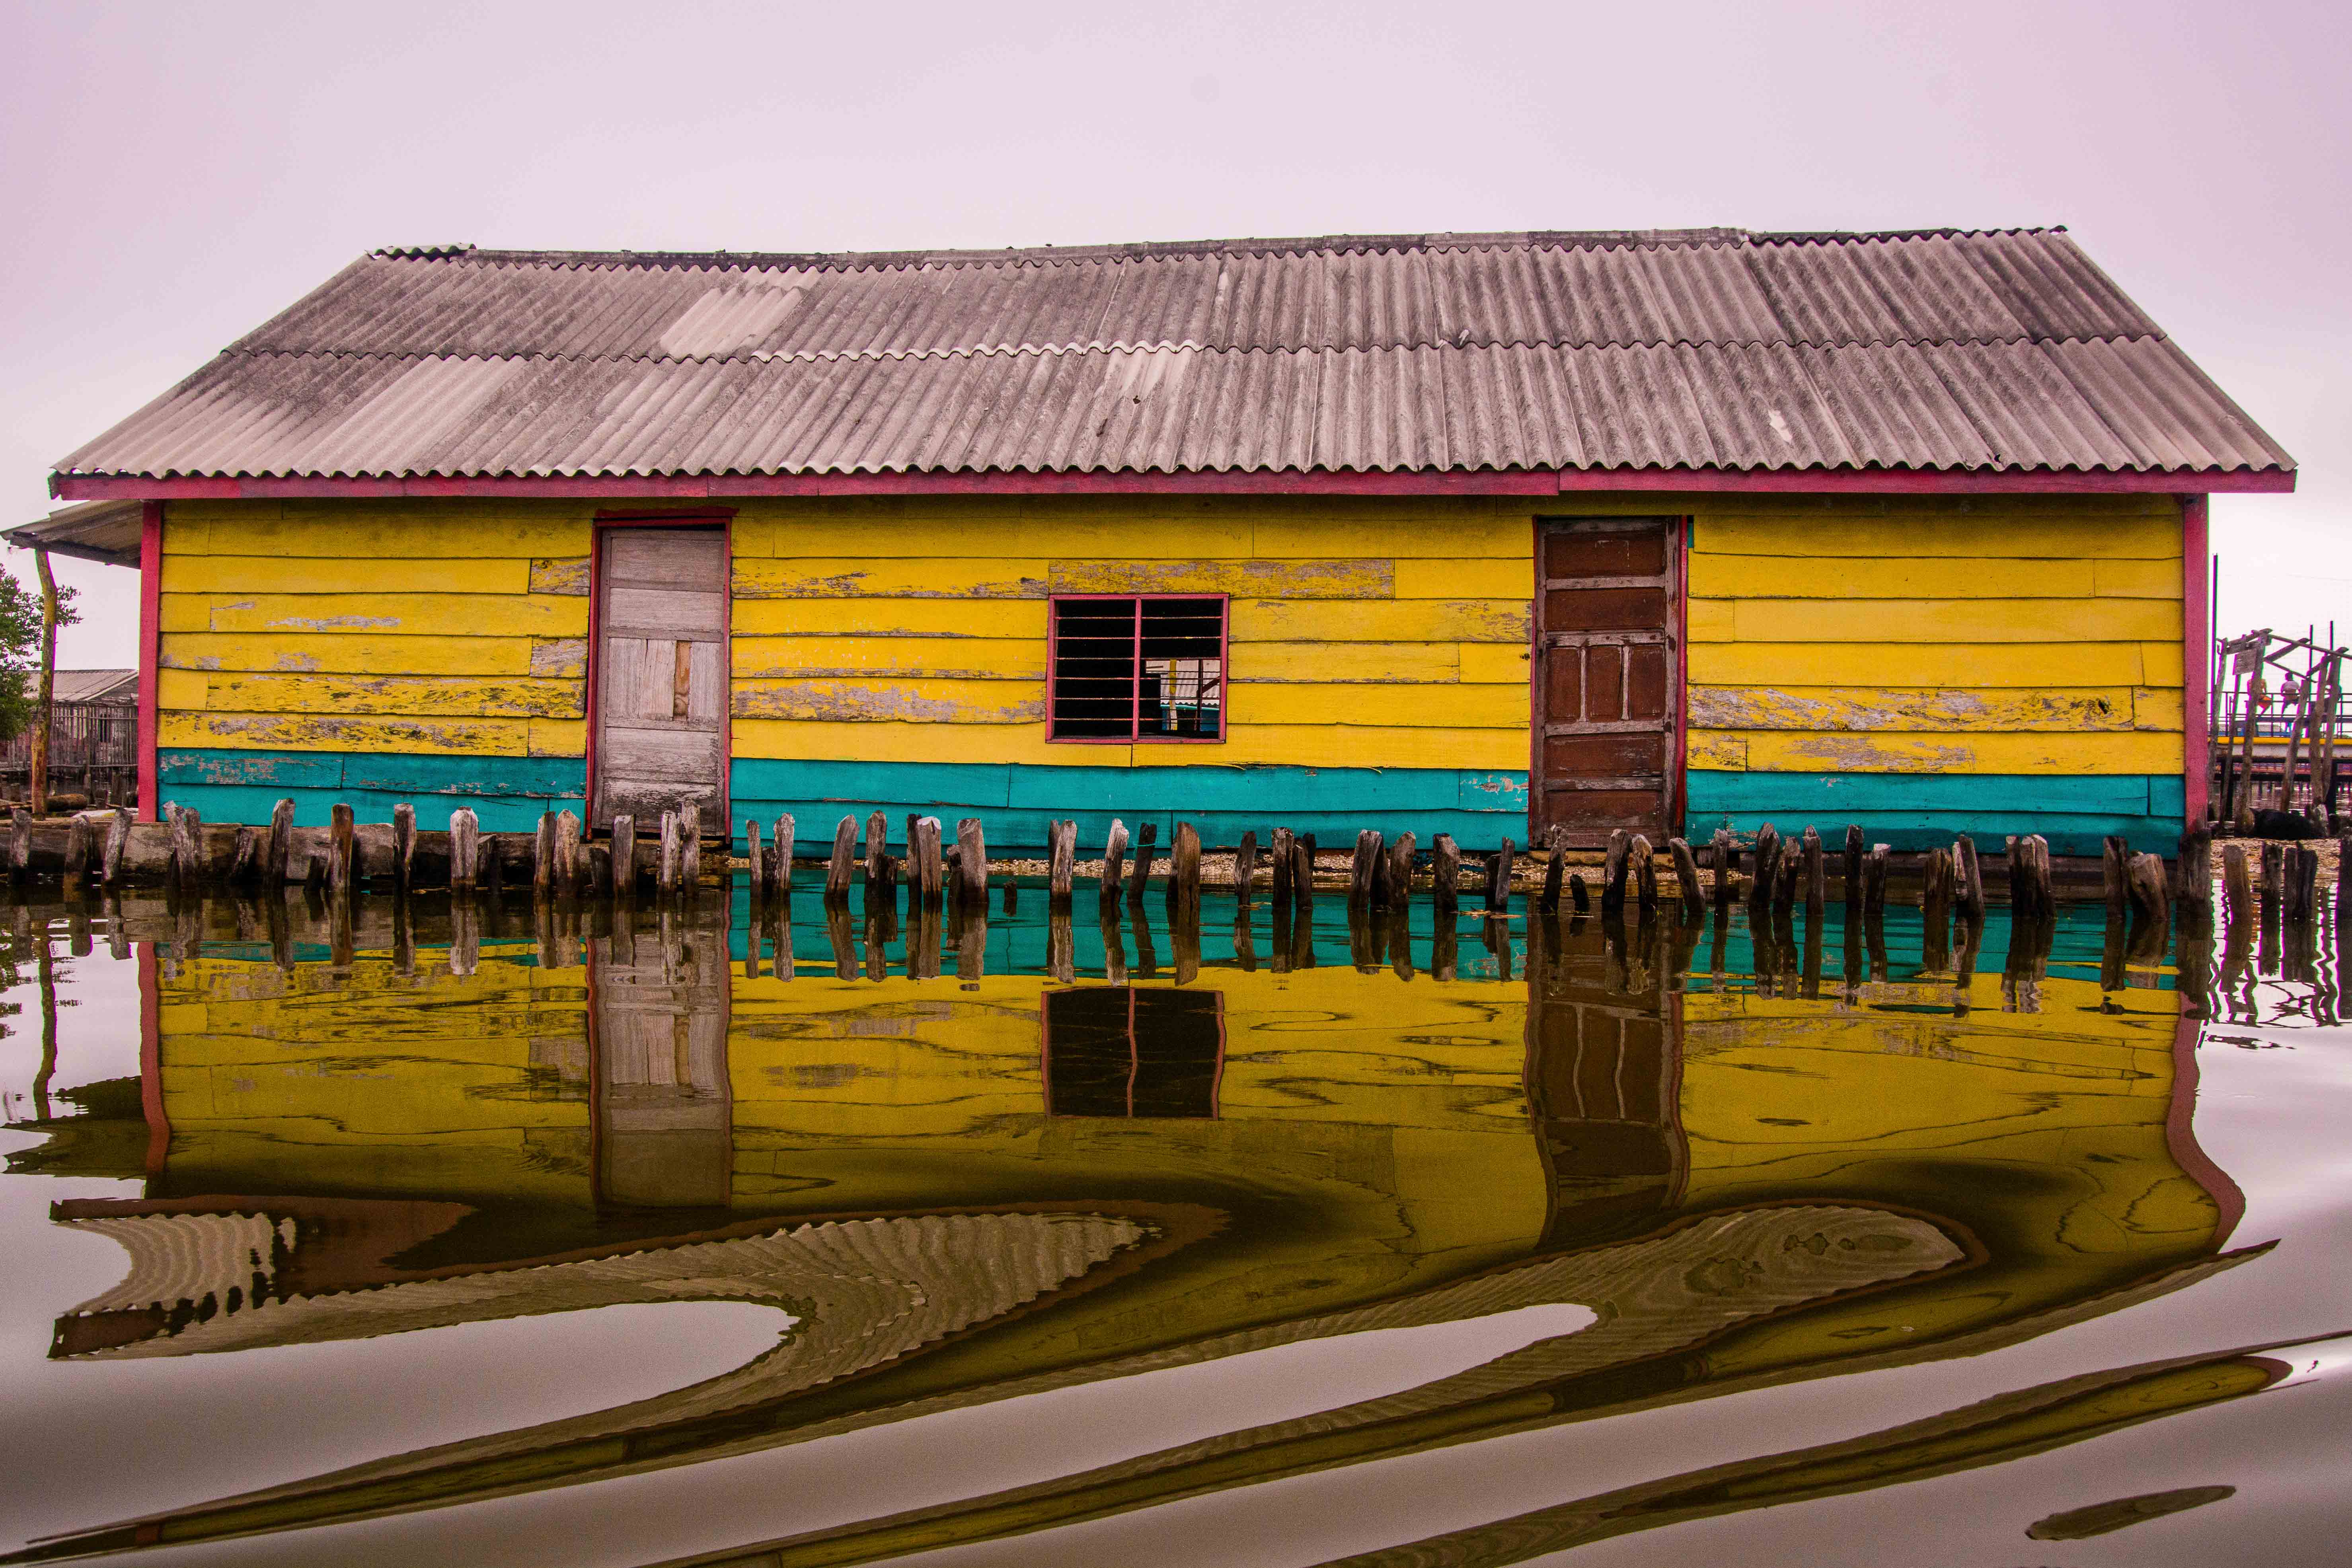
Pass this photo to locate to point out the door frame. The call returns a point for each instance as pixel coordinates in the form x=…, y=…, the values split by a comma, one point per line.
x=723, y=517
x=1679, y=529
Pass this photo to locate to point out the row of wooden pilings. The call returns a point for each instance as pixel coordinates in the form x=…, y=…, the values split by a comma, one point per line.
x=556, y=862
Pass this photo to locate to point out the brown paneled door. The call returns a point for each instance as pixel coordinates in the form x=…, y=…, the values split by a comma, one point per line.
x=661, y=674
x=1608, y=688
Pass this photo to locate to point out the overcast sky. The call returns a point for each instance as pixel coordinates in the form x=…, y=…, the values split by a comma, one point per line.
x=174, y=175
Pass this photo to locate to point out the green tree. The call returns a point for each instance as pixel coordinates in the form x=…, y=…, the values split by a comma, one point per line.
x=20, y=650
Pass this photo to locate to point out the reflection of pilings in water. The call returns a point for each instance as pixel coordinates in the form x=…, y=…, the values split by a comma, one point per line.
x=2236, y=985
x=1719, y=955
x=972, y=947
x=1302, y=935
x=1970, y=926
x=1811, y=985
x=1873, y=925
x=1363, y=946
x=1849, y=960
x=845, y=945
x=1399, y=926
x=1147, y=958
x=2193, y=964
x=1245, y=942
x=926, y=933
x=1114, y=945
x=45, y=964
x=1444, y=947
x=1498, y=937
x=2029, y=938
x=1061, y=956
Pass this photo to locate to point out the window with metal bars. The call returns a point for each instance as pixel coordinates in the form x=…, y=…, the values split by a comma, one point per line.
x=1121, y=1051
x=1133, y=668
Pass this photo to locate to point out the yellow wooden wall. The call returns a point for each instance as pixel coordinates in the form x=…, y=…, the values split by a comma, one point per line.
x=404, y=627
x=1988, y=634
x=1365, y=634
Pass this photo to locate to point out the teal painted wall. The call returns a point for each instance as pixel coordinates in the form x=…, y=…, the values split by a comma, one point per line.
x=508, y=793
x=1922, y=811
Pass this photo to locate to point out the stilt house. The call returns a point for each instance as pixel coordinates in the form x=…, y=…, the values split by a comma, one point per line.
x=1478, y=534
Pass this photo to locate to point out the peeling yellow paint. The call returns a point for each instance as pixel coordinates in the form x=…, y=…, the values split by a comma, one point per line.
x=2122, y=752
x=1399, y=620
x=304, y=652
x=888, y=577
x=319, y=733
x=559, y=574
x=558, y=658
x=1312, y=579
x=923, y=702
x=1717, y=752
x=429, y=696
x=1964, y=708
x=1916, y=664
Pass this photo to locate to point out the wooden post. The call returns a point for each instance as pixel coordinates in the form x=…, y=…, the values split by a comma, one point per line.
x=118, y=839
x=1767, y=869
x=1061, y=862
x=1499, y=879
x=2145, y=888
x=2194, y=872
x=1302, y=888
x=2344, y=881
x=780, y=874
x=1245, y=866
x=2274, y=879
x=758, y=864
x=1185, y=869
x=972, y=863
x=2042, y=901
x=1694, y=897
x=1146, y=834
x=625, y=855
x=403, y=846
x=1555, y=867
x=2237, y=881
x=1854, y=855
x=926, y=865
x=543, y=857
x=2114, y=859
x=690, y=843
x=281, y=844
x=567, y=854
x=37, y=776
x=837, y=871
x=342, y=850
x=1817, y=878
x=2291, y=889
x=1873, y=883
x=1968, y=878
x=187, y=847
x=77, y=864
x=1364, y=873
x=673, y=855
x=465, y=849
x=1646, y=876
x=1612, y=872
x=1579, y=894
x=1446, y=874
x=1280, y=861
x=1726, y=865
x=1398, y=882
x=1114, y=862
x=877, y=844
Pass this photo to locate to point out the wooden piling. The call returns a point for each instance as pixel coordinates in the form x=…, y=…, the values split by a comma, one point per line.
x=1146, y=834
x=2344, y=881
x=1444, y=874
x=1578, y=895
x=2193, y=873
x=1814, y=864
x=1283, y=865
x=1114, y=862
x=403, y=847
x=118, y=841
x=757, y=865
x=673, y=856
x=780, y=861
x=570, y=864
x=187, y=846
x=1786, y=870
x=2032, y=854
x=927, y=864
x=2237, y=881
x=1499, y=879
x=465, y=849
x=1612, y=872
x=1873, y=883
x=342, y=850
x=2145, y=888
x=2274, y=878
x=2114, y=860
x=543, y=857
x=77, y=858
x=1853, y=858
x=1968, y=879
x=1061, y=859
x=624, y=854
x=972, y=864
x=1726, y=865
x=281, y=844
x=1936, y=898
x=1302, y=885
x=1694, y=897
x=1555, y=868
x=1185, y=869
x=877, y=844
x=837, y=871
x=1364, y=873
x=1646, y=876
x=1245, y=866
x=1396, y=879
x=690, y=836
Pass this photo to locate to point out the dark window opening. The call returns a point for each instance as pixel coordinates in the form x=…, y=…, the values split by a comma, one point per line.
x=1137, y=668
x=1121, y=1051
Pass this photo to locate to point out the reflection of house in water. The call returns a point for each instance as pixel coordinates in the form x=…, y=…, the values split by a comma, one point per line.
x=1078, y=1182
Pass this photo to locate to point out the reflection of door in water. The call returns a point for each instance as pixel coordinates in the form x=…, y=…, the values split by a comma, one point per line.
x=661, y=675
x=1607, y=694
x=1116, y=1050
x=665, y=1107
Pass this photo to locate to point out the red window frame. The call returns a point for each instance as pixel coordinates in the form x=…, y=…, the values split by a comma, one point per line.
x=1134, y=736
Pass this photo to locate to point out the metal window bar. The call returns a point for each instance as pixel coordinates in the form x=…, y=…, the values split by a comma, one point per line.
x=1145, y=667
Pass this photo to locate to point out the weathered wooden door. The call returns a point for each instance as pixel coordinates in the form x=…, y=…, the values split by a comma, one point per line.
x=1608, y=677
x=661, y=676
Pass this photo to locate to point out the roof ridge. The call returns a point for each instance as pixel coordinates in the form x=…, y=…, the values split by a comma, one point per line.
x=1146, y=250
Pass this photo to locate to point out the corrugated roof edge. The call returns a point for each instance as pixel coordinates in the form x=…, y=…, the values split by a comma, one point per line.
x=1339, y=244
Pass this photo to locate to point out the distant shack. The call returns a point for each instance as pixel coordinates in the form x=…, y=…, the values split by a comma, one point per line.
x=1486, y=535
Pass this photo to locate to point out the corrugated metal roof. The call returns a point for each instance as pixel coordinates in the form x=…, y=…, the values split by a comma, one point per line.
x=1710, y=348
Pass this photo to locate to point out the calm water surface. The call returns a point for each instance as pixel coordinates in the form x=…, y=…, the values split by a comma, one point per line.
x=471, y=1235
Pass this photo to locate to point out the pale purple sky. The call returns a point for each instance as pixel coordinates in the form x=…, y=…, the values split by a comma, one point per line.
x=174, y=175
